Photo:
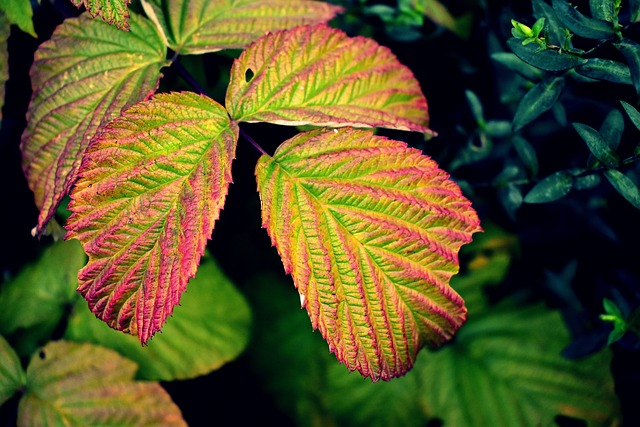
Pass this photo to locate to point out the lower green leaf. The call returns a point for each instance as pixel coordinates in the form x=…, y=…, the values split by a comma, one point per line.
x=624, y=185
x=606, y=69
x=12, y=377
x=538, y=100
x=82, y=384
x=550, y=188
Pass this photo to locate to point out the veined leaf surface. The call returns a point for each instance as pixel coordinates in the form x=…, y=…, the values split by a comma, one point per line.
x=149, y=190
x=370, y=230
x=200, y=26
x=82, y=77
x=111, y=11
x=71, y=384
x=317, y=75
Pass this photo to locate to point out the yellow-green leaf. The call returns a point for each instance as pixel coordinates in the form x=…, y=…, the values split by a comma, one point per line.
x=111, y=11
x=71, y=384
x=200, y=26
x=149, y=191
x=317, y=75
x=370, y=230
x=82, y=77
x=12, y=377
x=18, y=12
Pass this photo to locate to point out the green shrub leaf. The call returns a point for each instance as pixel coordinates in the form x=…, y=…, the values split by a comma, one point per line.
x=82, y=384
x=551, y=188
x=82, y=77
x=18, y=12
x=624, y=185
x=545, y=59
x=603, y=10
x=209, y=328
x=111, y=11
x=369, y=230
x=597, y=145
x=581, y=25
x=527, y=154
x=634, y=7
x=332, y=80
x=633, y=114
x=538, y=100
x=515, y=64
x=631, y=52
x=12, y=377
x=34, y=302
x=149, y=191
x=200, y=26
x=606, y=69
x=555, y=33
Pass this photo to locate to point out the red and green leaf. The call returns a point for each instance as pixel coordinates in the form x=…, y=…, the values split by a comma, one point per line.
x=317, y=75
x=72, y=384
x=200, y=26
x=82, y=78
x=148, y=193
x=370, y=230
x=111, y=11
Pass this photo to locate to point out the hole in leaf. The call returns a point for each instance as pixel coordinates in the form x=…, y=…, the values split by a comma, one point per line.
x=42, y=354
x=248, y=75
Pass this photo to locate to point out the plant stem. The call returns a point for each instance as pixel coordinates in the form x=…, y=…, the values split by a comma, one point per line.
x=196, y=86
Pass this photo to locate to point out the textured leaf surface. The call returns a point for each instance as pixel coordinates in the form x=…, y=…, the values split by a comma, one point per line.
x=111, y=11
x=200, y=26
x=369, y=230
x=149, y=191
x=538, y=100
x=598, y=146
x=581, y=24
x=82, y=77
x=551, y=188
x=12, y=376
x=209, y=328
x=547, y=59
x=317, y=75
x=33, y=303
x=82, y=384
x=18, y=12
x=606, y=69
x=624, y=185
x=631, y=52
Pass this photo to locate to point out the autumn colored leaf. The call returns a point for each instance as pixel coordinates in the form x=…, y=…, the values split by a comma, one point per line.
x=317, y=75
x=148, y=193
x=82, y=77
x=83, y=384
x=200, y=26
x=111, y=11
x=370, y=230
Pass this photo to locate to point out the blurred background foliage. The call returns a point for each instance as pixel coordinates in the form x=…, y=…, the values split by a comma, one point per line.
x=536, y=109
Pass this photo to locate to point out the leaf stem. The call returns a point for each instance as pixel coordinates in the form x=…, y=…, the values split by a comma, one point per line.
x=197, y=87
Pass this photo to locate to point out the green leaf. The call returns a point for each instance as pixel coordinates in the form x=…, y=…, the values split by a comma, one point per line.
x=612, y=128
x=209, y=328
x=35, y=301
x=82, y=77
x=624, y=185
x=607, y=70
x=603, y=9
x=631, y=52
x=476, y=106
x=18, y=12
x=332, y=80
x=437, y=12
x=634, y=7
x=527, y=154
x=597, y=145
x=82, y=384
x=545, y=59
x=515, y=64
x=369, y=230
x=200, y=26
x=149, y=191
x=555, y=31
x=633, y=114
x=581, y=25
x=111, y=11
x=551, y=188
x=538, y=100
x=12, y=377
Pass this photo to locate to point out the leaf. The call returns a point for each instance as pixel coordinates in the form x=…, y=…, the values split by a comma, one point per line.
x=12, y=377
x=631, y=52
x=527, y=154
x=201, y=26
x=555, y=31
x=82, y=77
x=581, y=25
x=538, y=100
x=624, y=185
x=18, y=12
x=34, y=302
x=633, y=114
x=370, y=230
x=551, y=188
x=545, y=59
x=149, y=191
x=607, y=70
x=82, y=384
x=438, y=13
x=209, y=328
x=597, y=145
x=603, y=9
x=317, y=75
x=634, y=7
x=111, y=11
x=515, y=64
